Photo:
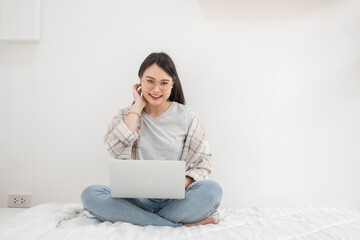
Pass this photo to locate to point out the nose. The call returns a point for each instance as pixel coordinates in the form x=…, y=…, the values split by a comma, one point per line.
x=157, y=87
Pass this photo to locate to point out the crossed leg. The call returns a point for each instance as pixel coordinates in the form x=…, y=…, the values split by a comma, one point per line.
x=202, y=199
x=98, y=201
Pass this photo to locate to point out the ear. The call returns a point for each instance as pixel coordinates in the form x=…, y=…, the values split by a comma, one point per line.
x=140, y=81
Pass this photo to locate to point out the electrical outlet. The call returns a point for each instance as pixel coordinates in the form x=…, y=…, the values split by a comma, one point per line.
x=19, y=200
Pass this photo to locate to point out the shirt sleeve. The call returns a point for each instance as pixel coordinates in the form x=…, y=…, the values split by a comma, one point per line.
x=196, y=152
x=119, y=139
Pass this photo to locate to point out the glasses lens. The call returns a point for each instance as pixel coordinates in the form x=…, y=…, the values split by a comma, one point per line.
x=149, y=85
x=163, y=85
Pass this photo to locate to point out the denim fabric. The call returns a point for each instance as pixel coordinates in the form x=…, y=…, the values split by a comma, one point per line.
x=202, y=199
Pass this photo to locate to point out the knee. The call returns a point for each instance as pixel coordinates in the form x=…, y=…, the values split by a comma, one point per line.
x=212, y=191
x=91, y=192
x=86, y=194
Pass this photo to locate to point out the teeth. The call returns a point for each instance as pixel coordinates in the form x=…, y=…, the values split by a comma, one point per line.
x=155, y=96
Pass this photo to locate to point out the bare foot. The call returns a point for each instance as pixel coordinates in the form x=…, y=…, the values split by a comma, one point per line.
x=207, y=220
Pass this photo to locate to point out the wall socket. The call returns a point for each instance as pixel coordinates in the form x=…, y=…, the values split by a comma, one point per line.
x=19, y=200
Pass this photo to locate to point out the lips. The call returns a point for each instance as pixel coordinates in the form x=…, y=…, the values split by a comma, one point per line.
x=155, y=97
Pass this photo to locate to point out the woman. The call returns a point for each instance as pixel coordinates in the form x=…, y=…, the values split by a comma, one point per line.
x=158, y=126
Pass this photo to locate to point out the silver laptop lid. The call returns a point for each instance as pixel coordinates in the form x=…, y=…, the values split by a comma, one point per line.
x=147, y=178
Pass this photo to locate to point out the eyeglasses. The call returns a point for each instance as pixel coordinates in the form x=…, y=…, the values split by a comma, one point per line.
x=150, y=84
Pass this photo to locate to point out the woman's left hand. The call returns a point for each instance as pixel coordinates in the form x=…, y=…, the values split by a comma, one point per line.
x=188, y=181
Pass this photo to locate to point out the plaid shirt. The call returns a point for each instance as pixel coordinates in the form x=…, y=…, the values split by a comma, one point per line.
x=122, y=144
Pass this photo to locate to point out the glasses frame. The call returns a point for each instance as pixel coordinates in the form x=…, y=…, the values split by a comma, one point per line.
x=160, y=87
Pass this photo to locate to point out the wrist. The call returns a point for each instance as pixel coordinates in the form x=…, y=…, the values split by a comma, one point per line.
x=133, y=112
x=136, y=108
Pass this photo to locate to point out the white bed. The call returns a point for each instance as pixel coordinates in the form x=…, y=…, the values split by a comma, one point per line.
x=70, y=221
x=6, y=213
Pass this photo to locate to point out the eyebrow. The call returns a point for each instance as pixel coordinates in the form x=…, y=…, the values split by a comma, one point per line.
x=160, y=80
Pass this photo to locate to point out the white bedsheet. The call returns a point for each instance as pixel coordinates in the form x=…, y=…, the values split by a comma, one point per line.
x=70, y=221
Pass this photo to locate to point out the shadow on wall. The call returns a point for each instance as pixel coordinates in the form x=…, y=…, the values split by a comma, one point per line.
x=262, y=10
x=17, y=54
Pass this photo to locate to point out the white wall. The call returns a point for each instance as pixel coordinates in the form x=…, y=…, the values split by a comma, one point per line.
x=276, y=84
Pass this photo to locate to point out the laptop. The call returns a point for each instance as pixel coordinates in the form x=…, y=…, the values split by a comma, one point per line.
x=147, y=178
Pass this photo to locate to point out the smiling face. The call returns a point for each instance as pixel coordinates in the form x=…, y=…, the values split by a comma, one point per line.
x=156, y=85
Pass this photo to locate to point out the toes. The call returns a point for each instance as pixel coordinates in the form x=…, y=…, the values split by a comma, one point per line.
x=214, y=220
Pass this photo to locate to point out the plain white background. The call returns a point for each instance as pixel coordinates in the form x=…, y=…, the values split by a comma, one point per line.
x=275, y=83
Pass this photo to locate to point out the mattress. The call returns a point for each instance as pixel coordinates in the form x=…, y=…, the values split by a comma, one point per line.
x=6, y=213
x=70, y=221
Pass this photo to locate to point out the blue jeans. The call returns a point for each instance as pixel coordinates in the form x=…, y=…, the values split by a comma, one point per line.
x=202, y=198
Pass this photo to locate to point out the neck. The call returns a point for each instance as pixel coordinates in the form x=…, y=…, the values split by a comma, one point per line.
x=156, y=110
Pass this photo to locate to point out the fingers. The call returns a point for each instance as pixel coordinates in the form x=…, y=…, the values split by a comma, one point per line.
x=136, y=86
x=137, y=92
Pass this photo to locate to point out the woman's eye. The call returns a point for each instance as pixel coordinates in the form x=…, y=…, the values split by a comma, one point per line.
x=150, y=81
x=164, y=83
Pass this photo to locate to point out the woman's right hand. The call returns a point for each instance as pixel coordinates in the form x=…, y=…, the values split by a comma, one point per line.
x=140, y=101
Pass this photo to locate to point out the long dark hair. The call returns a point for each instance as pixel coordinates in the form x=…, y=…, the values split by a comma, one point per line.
x=164, y=61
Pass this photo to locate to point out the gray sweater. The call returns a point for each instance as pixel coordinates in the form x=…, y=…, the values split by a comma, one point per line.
x=122, y=144
x=163, y=137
